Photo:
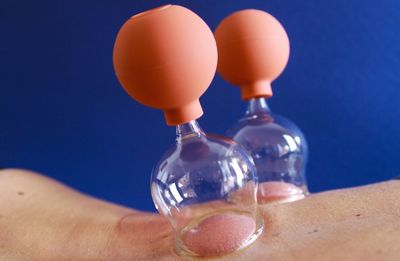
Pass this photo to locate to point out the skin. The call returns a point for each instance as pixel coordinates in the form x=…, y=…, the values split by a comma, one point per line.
x=41, y=219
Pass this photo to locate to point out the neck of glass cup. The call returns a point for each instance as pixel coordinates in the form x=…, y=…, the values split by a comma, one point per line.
x=188, y=130
x=257, y=106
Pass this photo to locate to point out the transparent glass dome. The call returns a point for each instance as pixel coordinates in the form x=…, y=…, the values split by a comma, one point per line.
x=206, y=186
x=279, y=151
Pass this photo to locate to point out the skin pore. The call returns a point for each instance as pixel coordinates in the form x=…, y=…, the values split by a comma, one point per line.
x=41, y=219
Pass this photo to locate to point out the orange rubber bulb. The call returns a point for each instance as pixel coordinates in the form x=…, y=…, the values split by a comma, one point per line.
x=253, y=50
x=166, y=58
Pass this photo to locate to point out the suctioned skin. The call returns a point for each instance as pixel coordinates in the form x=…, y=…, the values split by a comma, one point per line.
x=278, y=191
x=220, y=234
x=41, y=219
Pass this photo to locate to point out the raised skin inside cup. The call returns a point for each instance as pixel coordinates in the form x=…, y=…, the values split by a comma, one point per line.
x=278, y=191
x=219, y=234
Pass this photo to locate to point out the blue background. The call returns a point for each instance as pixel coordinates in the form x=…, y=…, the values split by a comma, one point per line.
x=64, y=114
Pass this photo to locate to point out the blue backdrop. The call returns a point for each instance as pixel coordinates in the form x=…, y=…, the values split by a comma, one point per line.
x=64, y=114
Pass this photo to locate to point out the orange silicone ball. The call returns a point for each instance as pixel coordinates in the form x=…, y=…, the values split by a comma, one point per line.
x=253, y=50
x=166, y=58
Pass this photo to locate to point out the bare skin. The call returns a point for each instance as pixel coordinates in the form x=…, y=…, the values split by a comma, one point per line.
x=41, y=219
